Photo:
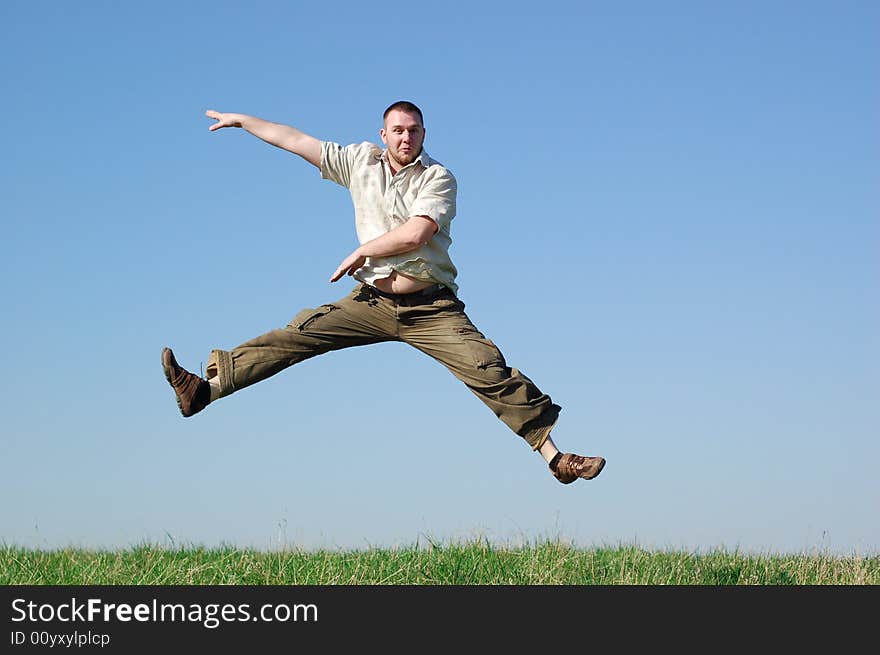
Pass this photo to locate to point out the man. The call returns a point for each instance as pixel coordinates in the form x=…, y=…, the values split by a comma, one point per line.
x=404, y=204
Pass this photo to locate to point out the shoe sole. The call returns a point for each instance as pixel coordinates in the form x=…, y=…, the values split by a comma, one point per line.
x=166, y=368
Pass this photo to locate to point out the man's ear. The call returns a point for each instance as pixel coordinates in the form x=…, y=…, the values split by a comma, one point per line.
x=382, y=134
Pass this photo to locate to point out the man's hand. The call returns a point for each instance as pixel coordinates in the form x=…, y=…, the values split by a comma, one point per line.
x=223, y=120
x=349, y=265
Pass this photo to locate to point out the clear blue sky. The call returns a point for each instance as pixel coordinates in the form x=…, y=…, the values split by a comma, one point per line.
x=667, y=218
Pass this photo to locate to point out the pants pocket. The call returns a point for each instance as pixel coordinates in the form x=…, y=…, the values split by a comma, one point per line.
x=307, y=317
x=482, y=350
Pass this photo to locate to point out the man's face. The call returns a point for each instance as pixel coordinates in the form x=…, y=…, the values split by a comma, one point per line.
x=403, y=134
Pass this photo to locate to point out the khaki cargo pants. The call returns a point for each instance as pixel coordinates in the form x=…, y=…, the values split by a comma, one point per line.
x=433, y=322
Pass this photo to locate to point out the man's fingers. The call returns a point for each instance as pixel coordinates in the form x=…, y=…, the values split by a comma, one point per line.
x=337, y=274
x=216, y=115
x=343, y=270
x=349, y=265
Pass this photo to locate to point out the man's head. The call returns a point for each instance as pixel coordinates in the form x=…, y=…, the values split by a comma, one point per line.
x=403, y=132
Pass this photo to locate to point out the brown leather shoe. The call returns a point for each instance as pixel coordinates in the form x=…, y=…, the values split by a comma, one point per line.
x=193, y=393
x=570, y=467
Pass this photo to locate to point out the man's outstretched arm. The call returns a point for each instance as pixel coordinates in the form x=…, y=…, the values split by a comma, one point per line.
x=282, y=136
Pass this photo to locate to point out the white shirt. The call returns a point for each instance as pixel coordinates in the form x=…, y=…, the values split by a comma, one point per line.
x=383, y=201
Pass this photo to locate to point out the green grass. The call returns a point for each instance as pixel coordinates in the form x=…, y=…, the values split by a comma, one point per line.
x=477, y=563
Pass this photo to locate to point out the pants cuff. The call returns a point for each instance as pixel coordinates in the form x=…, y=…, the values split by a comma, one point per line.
x=220, y=365
x=537, y=434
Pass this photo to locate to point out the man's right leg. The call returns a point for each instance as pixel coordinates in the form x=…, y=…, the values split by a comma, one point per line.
x=355, y=320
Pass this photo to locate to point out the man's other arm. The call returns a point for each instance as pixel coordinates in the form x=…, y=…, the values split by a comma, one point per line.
x=413, y=234
x=282, y=136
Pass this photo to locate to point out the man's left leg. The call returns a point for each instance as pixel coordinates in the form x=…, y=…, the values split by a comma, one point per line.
x=442, y=330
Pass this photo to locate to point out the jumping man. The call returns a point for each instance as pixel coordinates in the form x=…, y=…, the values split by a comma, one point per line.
x=404, y=203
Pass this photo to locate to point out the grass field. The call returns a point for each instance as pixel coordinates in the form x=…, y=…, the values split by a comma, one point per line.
x=474, y=563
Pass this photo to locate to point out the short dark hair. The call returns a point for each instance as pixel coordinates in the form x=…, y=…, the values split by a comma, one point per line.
x=407, y=106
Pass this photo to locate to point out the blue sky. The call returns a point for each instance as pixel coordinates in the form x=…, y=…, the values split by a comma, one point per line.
x=667, y=219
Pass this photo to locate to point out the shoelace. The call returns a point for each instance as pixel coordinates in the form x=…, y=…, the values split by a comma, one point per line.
x=563, y=467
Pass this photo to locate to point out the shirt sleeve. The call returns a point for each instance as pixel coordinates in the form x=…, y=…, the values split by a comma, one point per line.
x=336, y=162
x=437, y=197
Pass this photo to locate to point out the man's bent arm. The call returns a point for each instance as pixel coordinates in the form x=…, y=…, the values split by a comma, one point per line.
x=413, y=234
x=282, y=136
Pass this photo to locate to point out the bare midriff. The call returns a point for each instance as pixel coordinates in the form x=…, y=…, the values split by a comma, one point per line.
x=400, y=283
